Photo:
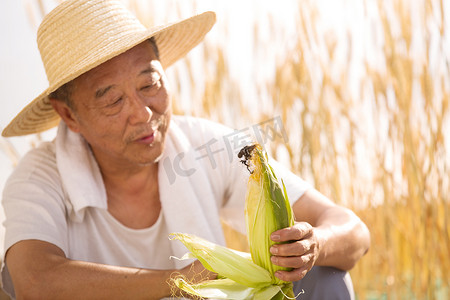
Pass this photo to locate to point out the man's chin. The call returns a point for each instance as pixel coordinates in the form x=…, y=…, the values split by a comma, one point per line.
x=154, y=158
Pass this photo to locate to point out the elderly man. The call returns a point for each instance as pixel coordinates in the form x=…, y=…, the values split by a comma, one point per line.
x=88, y=214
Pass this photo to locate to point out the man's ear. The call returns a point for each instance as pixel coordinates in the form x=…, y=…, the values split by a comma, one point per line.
x=66, y=113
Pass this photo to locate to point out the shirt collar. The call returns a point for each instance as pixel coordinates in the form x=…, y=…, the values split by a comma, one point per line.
x=80, y=174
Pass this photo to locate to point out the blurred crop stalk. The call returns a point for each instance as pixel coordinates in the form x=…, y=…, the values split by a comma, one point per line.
x=386, y=147
x=378, y=142
x=385, y=150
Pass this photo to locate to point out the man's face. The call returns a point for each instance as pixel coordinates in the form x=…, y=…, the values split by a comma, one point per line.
x=122, y=108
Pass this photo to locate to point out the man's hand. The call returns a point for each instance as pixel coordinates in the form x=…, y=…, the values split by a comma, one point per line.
x=299, y=253
x=326, y=235
x=194, y=273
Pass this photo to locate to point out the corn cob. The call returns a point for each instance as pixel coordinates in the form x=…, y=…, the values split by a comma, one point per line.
x=267, y=209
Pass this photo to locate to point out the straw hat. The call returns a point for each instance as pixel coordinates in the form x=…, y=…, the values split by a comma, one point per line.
x=79, y=35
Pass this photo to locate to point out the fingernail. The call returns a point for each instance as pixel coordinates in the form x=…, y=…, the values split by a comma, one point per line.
x=275, y=237
x=274, y=250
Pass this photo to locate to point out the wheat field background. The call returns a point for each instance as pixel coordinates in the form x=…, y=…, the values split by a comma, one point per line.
x=364, y=101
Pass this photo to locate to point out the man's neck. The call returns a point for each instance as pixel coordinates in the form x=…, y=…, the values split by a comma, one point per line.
x=121, y=172
x=129, y=179
x=133, y=195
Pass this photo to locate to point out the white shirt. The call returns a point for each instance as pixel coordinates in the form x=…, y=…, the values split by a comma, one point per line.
x=56, y=194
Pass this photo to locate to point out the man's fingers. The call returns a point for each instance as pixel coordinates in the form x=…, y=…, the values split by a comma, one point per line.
x=294, y=233
x=293, y=275
x=292, y=249
x=292, y=261
x=299, y=254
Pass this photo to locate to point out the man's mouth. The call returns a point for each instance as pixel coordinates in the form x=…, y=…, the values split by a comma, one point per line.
x=146, y=139
x=148, y=134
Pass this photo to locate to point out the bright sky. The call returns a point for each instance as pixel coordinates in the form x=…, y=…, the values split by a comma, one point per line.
x=21, y=76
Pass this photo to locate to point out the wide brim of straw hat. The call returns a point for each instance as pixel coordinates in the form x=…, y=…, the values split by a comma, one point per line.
x=173, y=40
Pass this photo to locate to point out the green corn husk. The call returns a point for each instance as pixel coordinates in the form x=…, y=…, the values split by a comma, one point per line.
x=227, y=289
x=228, y=263
x=242, y=277
x=267, y=209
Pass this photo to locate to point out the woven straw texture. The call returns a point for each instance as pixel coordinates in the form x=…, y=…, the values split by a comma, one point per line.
x=79, y=35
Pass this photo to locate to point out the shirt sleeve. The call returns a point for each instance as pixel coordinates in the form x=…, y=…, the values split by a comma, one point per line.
x=33, y=201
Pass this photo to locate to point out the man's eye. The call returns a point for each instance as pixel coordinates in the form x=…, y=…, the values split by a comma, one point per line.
x=115, y=102
x=151, y=85
x=151, y=89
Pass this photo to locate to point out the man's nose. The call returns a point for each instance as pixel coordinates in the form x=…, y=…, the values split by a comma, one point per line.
x=140, y=112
